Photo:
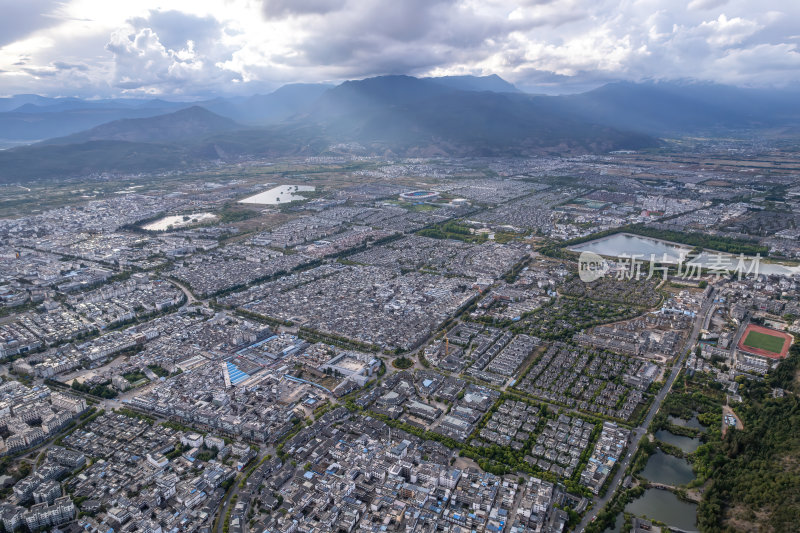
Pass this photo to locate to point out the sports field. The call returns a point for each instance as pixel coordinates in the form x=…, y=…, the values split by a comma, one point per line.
x=765, y=342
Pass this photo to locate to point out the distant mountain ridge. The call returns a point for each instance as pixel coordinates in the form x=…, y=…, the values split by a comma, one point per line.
x=684, y=108
x=392, y=115
x=34, y=118
x=192, y=122
x=30, y=117
x=35, y=126
x=264, y=109
x=407, y=114
x=492, y=83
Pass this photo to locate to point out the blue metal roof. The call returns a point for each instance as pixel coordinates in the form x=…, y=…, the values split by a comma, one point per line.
x=236, y=375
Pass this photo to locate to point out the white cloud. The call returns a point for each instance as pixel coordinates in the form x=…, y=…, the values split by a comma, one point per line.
x=772, y=62
x=192, y=62
x=725, y=32
x=218, y=46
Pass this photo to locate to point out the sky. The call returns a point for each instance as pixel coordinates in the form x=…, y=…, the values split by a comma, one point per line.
x=196, y=48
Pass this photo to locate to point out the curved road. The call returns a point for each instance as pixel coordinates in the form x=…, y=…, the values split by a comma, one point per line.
x=190, y=298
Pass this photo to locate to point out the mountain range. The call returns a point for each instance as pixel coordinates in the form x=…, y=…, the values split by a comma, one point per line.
x=398, y=115
x=193, y=122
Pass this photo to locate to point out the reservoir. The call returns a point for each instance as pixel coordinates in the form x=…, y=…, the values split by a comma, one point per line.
x=668, y=469
x=686, y=444
x=643, y=248
x=283, y=194
x=625, y=244
x=665, y=507
x=179, y=221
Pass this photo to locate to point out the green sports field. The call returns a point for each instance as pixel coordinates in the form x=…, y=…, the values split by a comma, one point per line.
x=763, y=341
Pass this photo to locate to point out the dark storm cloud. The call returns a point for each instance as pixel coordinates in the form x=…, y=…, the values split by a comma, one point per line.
x=286, y=8
x=380, y=36
x=706, y=4
x=56, y=68
x=61, y=65
x=19, y=18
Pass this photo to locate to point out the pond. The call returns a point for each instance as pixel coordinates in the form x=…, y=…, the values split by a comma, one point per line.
x=627, y=245
x=283, y=194
x=668, y=469
x=179, y=221
x=693, y=422
x=686, y=444
x=664, y=506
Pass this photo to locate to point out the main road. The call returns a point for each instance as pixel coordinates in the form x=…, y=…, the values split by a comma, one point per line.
x=222, y=513
x=190, y=297
x=641, y=430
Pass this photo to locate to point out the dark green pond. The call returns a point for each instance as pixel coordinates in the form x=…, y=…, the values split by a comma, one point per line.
x=693, y=422
x=668, y=469
x=687, y=444
x=664, y=506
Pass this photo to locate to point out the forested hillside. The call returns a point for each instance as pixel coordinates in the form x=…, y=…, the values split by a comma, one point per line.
x=755, y=473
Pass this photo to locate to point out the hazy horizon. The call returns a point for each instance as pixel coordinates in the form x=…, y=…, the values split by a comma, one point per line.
x=546, y=91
